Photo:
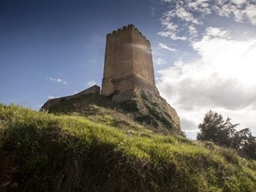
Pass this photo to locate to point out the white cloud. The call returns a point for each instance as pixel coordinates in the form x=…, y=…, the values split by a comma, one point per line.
x=90, y=83
x=229, y=58
x=163, y=46
x=172, y=35
x=176, y=37
x=52, y=97
x=160, y=61
x=250, y=13
x=220, y=76
x=216, y=32
x=169, y=25
x=184, y=18
x=58, y=80
x=192, y=30
x=177, y=15
x=240, y=10
x=165, y=33
x=222, y=79
x=239, y=2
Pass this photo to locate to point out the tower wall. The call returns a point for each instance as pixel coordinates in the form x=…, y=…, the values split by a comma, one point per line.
x=142, y=57
x=118, y=59
x=127, y=58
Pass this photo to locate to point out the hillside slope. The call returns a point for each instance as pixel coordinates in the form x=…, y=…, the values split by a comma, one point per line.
x=46, y=152
x=145, y=108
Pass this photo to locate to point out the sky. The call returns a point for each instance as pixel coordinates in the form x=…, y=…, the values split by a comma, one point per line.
x=204, y=52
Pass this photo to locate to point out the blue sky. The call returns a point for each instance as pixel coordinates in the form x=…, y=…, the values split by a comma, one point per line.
x=204, y=52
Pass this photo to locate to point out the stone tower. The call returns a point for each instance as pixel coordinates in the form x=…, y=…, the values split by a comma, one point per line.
x=128, y=79
x=128, y=63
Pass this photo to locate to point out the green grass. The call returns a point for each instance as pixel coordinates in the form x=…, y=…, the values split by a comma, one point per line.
x=46, y=152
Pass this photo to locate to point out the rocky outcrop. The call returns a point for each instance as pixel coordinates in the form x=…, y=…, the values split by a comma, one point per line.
x=151, y=109
x=145, y=107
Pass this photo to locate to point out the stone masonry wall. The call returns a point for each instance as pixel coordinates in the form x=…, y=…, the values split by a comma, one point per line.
x=118, y=58
x=142, y=57
x=128, y=54
x=56, y=101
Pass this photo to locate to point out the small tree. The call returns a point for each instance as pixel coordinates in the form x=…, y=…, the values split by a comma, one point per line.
x=245, y=142
x=240, y=138
x=215, y=129
x=223, y=133
x=250, y=147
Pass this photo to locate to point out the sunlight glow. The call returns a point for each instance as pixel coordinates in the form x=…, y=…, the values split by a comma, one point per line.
x=229, y=58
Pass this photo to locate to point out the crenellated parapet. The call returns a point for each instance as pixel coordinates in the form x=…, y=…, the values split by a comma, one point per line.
x=125, y=28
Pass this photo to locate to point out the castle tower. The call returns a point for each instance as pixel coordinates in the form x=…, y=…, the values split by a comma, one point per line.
x=129, y=80
x=128, y=63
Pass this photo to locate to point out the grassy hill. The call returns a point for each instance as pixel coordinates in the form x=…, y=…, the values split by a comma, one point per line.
x=100, y=152
x=144, y=109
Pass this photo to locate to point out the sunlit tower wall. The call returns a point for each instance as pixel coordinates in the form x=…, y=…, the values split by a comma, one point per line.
x=128, y=63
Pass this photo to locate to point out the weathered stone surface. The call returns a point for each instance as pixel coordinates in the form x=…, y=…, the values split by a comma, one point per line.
x=151, y=109
x=57, y=101
x=95, y=89
x=128, y=55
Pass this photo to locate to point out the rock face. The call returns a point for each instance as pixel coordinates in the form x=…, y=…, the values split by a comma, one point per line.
x=129, y=82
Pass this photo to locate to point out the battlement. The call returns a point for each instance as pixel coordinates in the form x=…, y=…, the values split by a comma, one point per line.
x=128, y=27
x=121, y=29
